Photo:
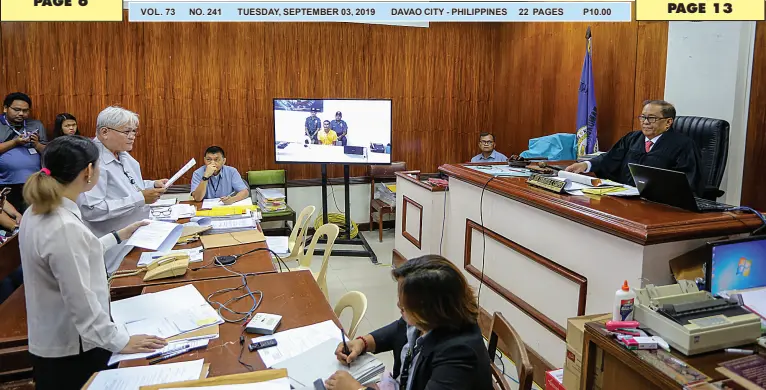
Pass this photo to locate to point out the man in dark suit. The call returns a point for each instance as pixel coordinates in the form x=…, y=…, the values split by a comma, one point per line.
x=654, y=146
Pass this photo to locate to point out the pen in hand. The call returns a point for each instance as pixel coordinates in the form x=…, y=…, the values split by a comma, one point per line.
x=345, y=346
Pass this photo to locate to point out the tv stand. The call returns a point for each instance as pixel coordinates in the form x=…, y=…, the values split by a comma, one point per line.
x=344, y=238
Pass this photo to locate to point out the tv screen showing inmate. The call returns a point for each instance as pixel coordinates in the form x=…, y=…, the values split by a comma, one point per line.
x=332, y=131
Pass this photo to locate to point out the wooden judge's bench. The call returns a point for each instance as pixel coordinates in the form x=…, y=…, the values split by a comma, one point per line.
x=545, y=257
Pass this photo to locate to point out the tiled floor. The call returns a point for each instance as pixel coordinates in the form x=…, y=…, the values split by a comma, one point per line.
x=358, y=274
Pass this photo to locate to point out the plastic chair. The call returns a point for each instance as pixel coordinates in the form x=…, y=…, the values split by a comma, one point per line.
x=331, y=231
x=296, y=241
x=357, y=301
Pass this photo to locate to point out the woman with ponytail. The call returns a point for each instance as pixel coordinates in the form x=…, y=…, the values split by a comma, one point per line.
x=71, y=334
x=66, y=124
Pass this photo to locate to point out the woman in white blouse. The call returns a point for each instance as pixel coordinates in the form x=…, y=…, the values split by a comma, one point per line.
x=71, y=334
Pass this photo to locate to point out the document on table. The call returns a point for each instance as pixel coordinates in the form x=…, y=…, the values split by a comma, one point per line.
x=133, y=378
x=181, y=172
x=293, y=342
x=232, y=223
x=156, y=304
x=171, y=347
x=501, y=170
x=274, y=384
x=279, y=244
x=320, y=362
x=175, y=323
x=183, y=211
x=157, y=236
x=195, y=255
x=208, y=204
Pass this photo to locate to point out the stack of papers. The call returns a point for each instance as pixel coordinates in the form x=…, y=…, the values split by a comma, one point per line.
x=501, y=170
x=308, y=354
x=195, y=255
x=135, y=377
x=320, y=363
x=270, y=199
x=166, y=313
x=231, y=225
x=158, y=236
x=208, y=204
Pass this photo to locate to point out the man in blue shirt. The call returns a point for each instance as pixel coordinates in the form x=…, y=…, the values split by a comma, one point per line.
x=488, y=152
x=217, y=180
x=340, y=127
x=21, y=142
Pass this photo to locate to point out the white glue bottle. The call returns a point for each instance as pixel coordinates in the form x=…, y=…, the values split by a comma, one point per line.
x=624, y=303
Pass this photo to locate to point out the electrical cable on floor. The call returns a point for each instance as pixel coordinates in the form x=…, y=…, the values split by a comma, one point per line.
x=340, y=220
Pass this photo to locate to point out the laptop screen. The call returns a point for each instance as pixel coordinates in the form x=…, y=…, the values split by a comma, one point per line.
x=738, y=265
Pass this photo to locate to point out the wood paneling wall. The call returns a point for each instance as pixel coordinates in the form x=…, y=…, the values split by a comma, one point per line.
x=753, y=184
x=199, y=84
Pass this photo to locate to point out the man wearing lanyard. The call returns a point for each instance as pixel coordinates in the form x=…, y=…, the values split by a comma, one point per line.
x=218, y=180
x=21, y=142
x=121, y=195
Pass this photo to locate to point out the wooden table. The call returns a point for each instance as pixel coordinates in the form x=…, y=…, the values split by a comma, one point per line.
x=293, y=295
x=257, y=262
x=624, y=370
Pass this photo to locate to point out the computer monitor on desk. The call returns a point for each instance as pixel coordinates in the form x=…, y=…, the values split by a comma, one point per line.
x=736, y=265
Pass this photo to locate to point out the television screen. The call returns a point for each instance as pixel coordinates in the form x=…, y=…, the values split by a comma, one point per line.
x=333, y=131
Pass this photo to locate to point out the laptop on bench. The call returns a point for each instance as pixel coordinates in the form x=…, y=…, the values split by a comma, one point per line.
x=670, y=188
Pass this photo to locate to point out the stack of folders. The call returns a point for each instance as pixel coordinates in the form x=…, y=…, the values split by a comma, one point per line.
x=270, y=200
x=167, y=314
x=320, y=363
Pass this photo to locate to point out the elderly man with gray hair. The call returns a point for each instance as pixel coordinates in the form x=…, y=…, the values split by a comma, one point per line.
x=121, y=195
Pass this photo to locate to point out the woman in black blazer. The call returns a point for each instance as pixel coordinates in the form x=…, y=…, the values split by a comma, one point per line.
x=437, y=342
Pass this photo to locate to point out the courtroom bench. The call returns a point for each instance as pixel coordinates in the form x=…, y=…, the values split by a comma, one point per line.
x=14, y=353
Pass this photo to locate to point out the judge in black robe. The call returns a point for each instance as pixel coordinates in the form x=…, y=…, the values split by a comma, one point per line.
x=668, y=150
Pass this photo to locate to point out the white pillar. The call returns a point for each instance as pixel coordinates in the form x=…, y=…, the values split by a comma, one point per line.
x=708, y=74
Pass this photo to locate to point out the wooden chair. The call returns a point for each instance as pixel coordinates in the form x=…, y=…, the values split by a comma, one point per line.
x=378, y=208
x=503, y=331
x=357, y=301
x=276, y=178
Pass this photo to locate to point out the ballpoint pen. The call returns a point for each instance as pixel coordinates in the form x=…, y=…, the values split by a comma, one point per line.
x=345, y=346
x=174, y=354
x=174, y=349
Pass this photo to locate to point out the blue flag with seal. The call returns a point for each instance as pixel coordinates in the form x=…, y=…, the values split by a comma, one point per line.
x=586, y=105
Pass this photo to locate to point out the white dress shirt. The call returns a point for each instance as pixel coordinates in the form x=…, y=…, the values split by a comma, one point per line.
x=646, y=139
x=115, y=202
x=66, y=291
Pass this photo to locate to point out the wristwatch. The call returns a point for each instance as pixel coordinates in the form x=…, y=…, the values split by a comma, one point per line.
x=116, y=236
x=205, y=178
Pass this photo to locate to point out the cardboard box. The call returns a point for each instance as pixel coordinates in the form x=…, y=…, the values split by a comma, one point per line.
x=554, y=380
x=573, y=368
x=576, y=329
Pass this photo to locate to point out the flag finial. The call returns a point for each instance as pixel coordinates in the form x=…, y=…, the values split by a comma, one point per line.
x=587, y=33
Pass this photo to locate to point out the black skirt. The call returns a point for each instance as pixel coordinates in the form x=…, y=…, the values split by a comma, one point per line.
x=69, y=372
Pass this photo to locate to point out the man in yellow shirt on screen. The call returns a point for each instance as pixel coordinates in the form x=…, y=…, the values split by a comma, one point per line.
x=327, y=136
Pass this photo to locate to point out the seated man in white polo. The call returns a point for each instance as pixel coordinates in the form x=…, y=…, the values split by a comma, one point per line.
x=217, y=180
